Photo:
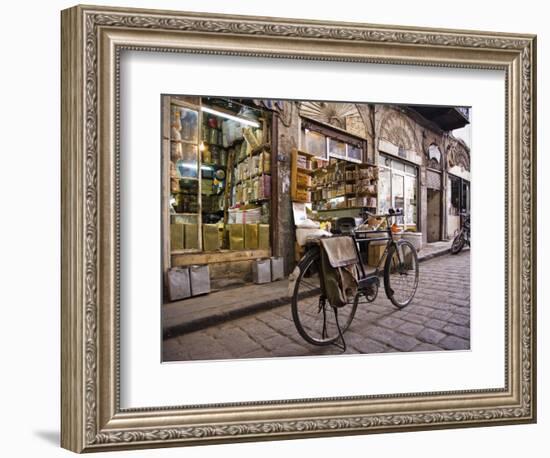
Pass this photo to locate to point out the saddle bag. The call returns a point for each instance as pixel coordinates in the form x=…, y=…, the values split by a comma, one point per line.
x=339, y=270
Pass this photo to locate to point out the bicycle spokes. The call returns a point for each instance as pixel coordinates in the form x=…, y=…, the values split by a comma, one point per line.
x=314, y=317
x=401, y=275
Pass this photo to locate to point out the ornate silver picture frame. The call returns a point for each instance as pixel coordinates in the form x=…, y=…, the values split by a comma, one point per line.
x=93, y=39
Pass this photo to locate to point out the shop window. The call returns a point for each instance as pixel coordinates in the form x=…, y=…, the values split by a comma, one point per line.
x=219, y=179
x=460, y=195
x=384, y=185
x=326, y=143
x=455, y=195
x=410, y=207
x=465, y=197
x=355, y=153
x=337, y=149
x=316, y=143
x=398, y=188
x=184, y=184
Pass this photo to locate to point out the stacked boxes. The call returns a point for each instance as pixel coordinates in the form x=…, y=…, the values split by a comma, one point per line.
x=302, y=179
x=304, y=162
x=302, y=195
x=265, y=162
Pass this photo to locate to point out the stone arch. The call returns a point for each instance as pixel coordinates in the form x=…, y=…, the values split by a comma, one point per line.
x=344, y=116
x=397, y=129
x=458, y=155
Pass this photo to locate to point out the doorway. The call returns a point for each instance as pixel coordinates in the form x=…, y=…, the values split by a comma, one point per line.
x=434, y=215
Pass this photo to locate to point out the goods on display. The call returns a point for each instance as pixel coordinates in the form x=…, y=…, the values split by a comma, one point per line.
x=219, y=175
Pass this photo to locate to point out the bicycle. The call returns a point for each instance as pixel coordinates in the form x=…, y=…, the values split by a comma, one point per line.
x=462, y=236
x=316, y=320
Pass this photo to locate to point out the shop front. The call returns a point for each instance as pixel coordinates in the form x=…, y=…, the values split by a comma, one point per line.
x=217, y=199
x=458, y=203
x=399, y=189
x=234, y=168
x=458, y=185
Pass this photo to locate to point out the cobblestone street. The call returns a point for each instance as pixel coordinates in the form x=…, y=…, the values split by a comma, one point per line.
x=437, y=319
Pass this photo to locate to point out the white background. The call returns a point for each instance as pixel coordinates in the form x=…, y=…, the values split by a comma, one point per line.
x=29, y=186
x=145, y=76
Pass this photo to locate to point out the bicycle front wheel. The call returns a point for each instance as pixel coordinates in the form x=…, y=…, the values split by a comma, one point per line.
x=401, y=273
x=314, y=317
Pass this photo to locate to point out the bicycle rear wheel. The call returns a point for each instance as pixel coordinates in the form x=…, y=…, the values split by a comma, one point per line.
x=458, y=243
x=401, y=273
x=314, y=317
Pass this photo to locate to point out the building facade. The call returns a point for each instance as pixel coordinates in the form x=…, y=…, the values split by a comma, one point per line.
x=218, y=184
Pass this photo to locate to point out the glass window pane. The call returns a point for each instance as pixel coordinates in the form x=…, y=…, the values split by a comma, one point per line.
x=398, y=195
x=355, y=153
x=336, y=148
x=455, y=195
x=189, y=125
x=410, y=200
x=396, y=165
x=188, y=165
x=185, y=198
x=384, y=194
x=316, y=144
x=465, y=207
x=410, y=169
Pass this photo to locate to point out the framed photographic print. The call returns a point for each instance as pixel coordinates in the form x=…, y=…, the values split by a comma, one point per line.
x=268, y=224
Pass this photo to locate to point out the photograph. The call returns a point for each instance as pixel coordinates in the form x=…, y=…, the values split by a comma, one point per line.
x=307, y=228
x=251, y=202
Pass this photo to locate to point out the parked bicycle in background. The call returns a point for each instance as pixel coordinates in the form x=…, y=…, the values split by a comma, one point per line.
x=463, y=235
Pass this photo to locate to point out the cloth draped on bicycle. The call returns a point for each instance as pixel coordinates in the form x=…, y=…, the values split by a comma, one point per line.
x=339, y=269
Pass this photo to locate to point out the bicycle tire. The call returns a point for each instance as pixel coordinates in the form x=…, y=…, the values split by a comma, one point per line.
x=308, y=331
x=458, y=243
x=393, y=265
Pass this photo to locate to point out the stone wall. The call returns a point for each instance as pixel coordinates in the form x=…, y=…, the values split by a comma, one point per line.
x=412, y=136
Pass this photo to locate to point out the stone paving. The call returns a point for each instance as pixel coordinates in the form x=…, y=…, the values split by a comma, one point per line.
x=437, y=319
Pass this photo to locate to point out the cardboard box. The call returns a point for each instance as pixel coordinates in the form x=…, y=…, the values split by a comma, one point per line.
x=263, y=237
x=210, y=237
x=375, y=253
x=303, y=179
x=191, y=236
x=236, y=236
x=251, y=236
x=177, y=236
x=302, y=196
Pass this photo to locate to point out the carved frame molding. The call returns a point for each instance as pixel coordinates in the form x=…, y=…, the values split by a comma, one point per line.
x=92, y=39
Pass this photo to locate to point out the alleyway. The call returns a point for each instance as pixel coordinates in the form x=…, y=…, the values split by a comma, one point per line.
x=437, y=319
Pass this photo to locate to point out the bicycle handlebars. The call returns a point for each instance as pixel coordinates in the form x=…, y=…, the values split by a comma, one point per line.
x=391, y=212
